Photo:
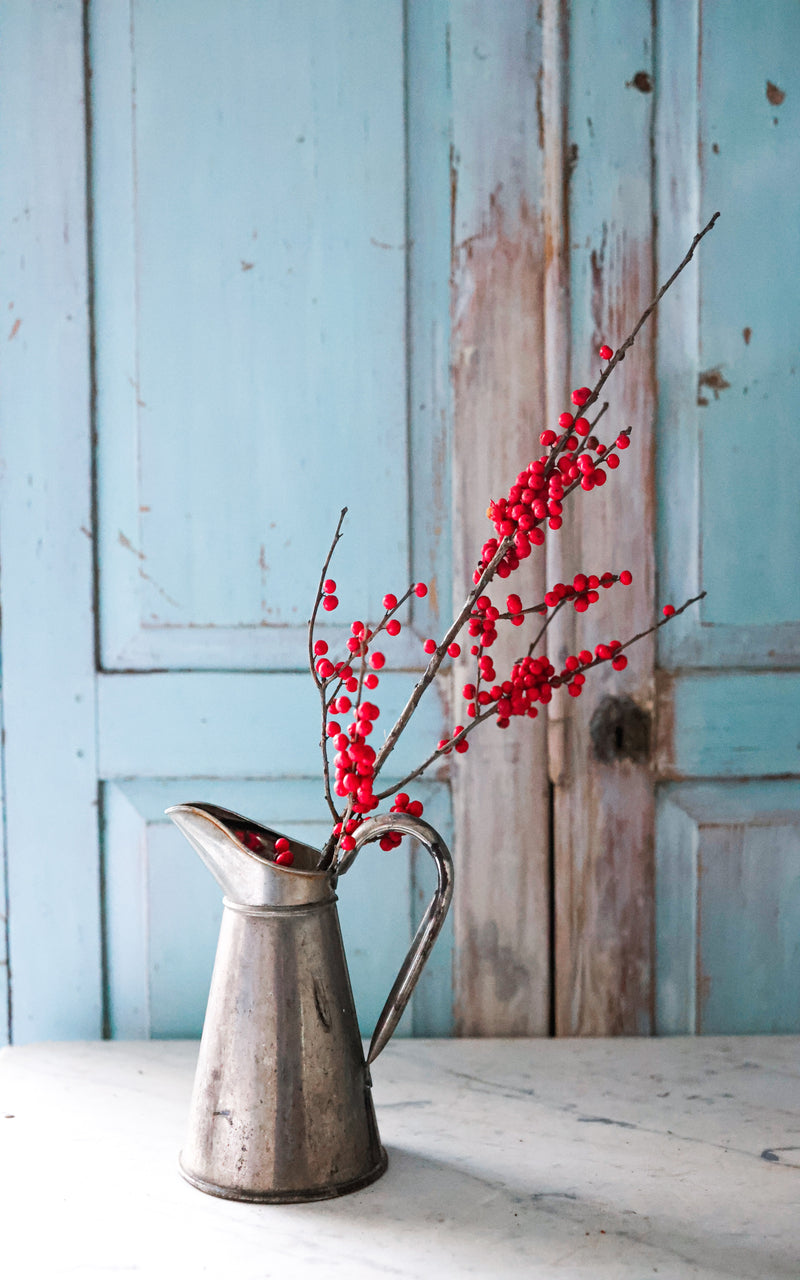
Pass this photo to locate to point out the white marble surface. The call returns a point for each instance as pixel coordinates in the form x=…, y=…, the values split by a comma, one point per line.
x=604, y=1159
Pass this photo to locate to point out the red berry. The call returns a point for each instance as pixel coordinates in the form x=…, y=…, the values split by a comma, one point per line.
x=622, y=442
x=386, y=843
x=329, y=586
x=415, y=808
x=420, y=590
x=429, y=646
x=547, y=438
x=605, y=352
x=581, y=395
x=377, y=660
x=620, y=662
x=668, y=610
x=348, y=843
x=285, y=859
x=582, y=426
x=390, y=601
x=320, y=648
x=393, y=627
x=454, y=649
x=612, y=462
x=333, y=729
x=626, y=577
x=565, y=420
x=371, y=680
x=281, y=844
x=330, y=602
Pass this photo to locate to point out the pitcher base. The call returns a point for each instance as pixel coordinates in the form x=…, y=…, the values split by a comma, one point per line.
x=328, y=1192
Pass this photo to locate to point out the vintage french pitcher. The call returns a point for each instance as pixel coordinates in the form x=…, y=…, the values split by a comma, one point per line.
x=282, y=1105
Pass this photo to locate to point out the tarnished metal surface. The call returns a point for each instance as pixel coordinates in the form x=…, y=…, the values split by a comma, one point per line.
x=282, y=1108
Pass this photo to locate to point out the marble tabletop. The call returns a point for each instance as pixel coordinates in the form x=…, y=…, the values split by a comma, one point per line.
x=598, y=1159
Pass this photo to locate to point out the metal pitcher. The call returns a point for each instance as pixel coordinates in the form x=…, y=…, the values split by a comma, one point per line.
x=282, y=1105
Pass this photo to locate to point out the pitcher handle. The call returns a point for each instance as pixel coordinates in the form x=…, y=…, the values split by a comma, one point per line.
x=430, y=924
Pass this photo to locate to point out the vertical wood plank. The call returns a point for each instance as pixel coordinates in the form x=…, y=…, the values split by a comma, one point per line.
x=498, y=257
x=45, y=527
x=604, y=813
x=728, y=907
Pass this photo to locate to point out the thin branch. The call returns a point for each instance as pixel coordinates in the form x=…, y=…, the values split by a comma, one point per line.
x=439, y=655
x=317, y=681
x=622, y=351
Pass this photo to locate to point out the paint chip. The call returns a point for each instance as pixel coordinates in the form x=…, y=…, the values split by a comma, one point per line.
x=714, y=380
x=747, y=334
x=774, y=95
x=642, y=81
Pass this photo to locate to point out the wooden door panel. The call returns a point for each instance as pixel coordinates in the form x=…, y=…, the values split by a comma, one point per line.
x=163, y=907
x=728, y=908
x=250, y=217
x=48, y=740
x=728, y=844
x=730, y=520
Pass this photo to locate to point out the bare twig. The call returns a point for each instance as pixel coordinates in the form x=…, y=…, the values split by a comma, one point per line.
x=317, y=681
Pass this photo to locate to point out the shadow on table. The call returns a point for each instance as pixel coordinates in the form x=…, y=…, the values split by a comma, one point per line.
x=449, y=1209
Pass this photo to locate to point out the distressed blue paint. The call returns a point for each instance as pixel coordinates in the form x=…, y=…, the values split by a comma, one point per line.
x=163, y=907
x=732, y=523
x=45, y=528
x=728, y=854
x=728, y=908
x=428, y=237
x=231, y=725
x=750, y=162
x=739, y=725
x=268, y=188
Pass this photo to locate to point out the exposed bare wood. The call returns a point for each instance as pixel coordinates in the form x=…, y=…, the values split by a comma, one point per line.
x=603, y=812
x=500, y=785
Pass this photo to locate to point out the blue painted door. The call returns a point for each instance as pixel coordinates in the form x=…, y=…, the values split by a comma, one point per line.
x=728, y=819
x=677, y=861
x=243, y=263
x=218, y=270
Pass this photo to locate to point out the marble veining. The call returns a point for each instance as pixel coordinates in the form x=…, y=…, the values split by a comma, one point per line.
x=593, y=1159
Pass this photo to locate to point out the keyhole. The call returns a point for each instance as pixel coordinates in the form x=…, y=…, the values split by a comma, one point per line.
x=620, y=730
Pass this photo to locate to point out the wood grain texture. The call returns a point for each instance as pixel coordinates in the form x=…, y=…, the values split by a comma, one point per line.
x=45, y=529
x=729, y=364
x=603, y=813
x=500, y=786
x=728, y=908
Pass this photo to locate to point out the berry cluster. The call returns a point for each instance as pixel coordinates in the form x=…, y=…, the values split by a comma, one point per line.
x=574, y=458
x=260, y=845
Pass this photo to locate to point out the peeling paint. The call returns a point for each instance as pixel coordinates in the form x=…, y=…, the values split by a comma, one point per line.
x=15, y=328
x=714, y=380
x=775, y=96
x=642, y=81
x=747, y=333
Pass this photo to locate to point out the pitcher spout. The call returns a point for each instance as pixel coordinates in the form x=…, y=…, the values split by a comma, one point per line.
x=240, y=855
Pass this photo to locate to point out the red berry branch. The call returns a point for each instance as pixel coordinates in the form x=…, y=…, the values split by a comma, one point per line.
x=574, y=458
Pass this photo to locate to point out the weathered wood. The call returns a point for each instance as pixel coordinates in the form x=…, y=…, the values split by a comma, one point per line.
x=728, y=907
x=603, y=812
x=500, y=786
x=46, y=529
